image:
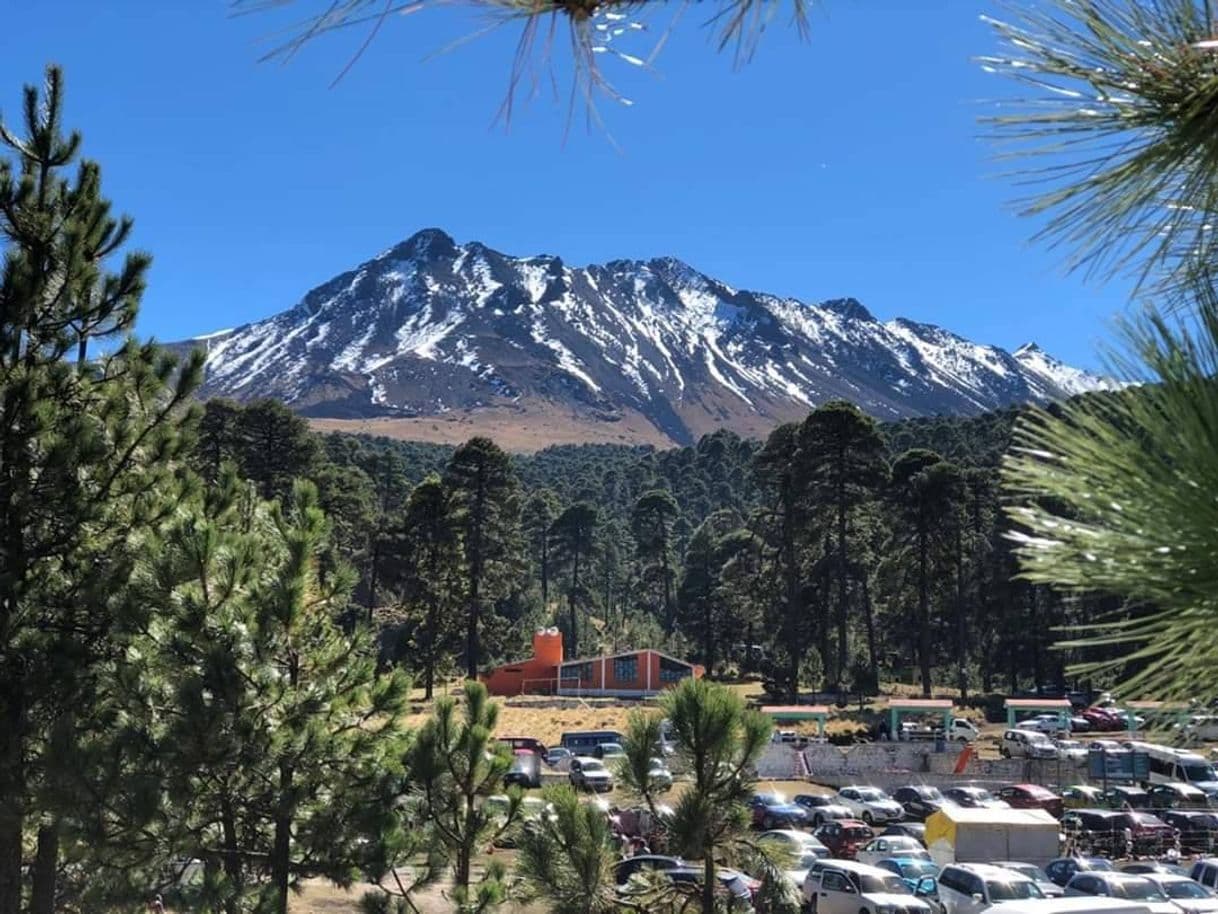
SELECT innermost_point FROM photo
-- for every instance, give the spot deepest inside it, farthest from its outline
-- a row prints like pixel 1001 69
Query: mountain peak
pixel 434 332
pixel 1028 349
pixel 425 244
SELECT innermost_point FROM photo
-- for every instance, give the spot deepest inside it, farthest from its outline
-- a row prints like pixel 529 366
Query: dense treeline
pixel 843 550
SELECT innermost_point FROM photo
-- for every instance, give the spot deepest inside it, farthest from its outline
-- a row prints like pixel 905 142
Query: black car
pixel 644 863
pixel 973 798
pixel 1063 869
pixel 920 800
pixel 1125 797
pixel 1197 829
pixel 1097 831
pixel 525 770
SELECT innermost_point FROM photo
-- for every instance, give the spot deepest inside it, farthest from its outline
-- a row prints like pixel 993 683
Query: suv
pixel 1125 887
pixel 1018 743
pixel 843 837
pixel 871 804
pixel 589 774
pixel 846 887
pixel 968 888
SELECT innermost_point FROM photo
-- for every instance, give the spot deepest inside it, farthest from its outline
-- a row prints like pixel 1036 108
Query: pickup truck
pixel 961 730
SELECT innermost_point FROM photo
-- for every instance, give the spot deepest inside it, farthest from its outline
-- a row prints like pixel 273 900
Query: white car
pixel 969 888
pixel 1044 723
pixel 871 804
pixel 886 846
pixel 589 774
pixel 659 775
pixel 1024 743
pixel 849 887
pixel 1070 750
pixel 801 849
pixel 963 730
pixel 1191 897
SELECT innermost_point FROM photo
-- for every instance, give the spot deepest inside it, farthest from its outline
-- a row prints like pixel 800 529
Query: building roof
pixel 1033 704
pixel 920 704
pixel 641 650
pixel 795 712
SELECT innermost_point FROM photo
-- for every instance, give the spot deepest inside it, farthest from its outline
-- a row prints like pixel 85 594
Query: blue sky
pixel 850 164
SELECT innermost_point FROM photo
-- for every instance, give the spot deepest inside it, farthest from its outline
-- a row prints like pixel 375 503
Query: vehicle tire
pixel 864 911
pixel 767 824
pixel 1004 751
pixel 818 820
pixel 868 818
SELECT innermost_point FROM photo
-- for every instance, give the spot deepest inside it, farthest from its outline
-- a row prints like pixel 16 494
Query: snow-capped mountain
pixel 431 327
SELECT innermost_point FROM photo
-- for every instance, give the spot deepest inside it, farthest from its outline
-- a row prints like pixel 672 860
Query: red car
pixel 1103 720
pixel 1032 796
pixel 843 837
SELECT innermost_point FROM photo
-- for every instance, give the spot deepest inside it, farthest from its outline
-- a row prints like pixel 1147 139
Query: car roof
pixel 586 758
pixel 848 823
pixel 902 858
pixel 853 866
pixel 990 871
pixel 793 833
pixel 1117 876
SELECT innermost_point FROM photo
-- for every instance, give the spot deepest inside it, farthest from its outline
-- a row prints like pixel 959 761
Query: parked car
pixel 871 804
pixel 974 798
pixel 1125 886
pixel 822 807
pixel 1031 796
pixel 920 800
pixel 589 774
pixel 559 758
pixel 773 810
pixel 969 888
pixel 915 830
pixel 1048 887
pixel 1102 719
pixel 912 870
pixel 843 836
pixel 1048 724
pixel 1148 867
pixel 643 863
pixel 733 884
pixel 1123 796
pixel 525 770
pixel 659 774
pixel 963 730
pixel 536 746
pixel 1081 796
pixel 1205 871
pixel 1070 750
pixel 1079 724
pixel 1197 829
pixel 1097 831
pixel 1189 896
pixel 801 850
pixel 847 887
pixel 1151 835
pixel 608 751
pixel 878 848
pixel 1019 743
pixel 1063 868
pixel 1177 795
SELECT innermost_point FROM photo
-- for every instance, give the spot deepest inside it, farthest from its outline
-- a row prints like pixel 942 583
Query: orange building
pixel 632 674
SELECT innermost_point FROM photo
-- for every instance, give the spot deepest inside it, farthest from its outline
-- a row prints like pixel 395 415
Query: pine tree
pixel 453 766
pixel 655 516
pixel 841 460
pixel 486 498
pixel 926 496
pixel 87 454
pixel 275 447
pixel 568 860
pixel 265 725
pixel 701 610
pixel 572 541
pixel 427 574
pixel 537 516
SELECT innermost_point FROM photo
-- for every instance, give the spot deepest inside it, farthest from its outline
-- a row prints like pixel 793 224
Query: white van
pixel 1206 872
pixel 1018 743
pixel 1075 906
pixel 848 887
pixel 969 888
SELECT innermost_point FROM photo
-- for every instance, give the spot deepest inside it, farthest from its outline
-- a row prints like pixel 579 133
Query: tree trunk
pixel 46 869
pixel 281 853
pixel 668 614
pixel 234 870
pixel 374 561
pixel 429 657
pixel 545 571
pixel 708 880
pixel 961 622
pixel 571 604
pixel 12 792
pixel 873 662
pixel 924 612
pixel 840 568
pixel 708 636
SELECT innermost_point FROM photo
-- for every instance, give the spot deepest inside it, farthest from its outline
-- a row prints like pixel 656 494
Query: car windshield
pixel 1186 888
pixel 916 869
pixel 1027 869
pixel 1198 771
pixel 929 793
pixel 806 860
pixel 1138 890
pixel 857 831
pixel 1015 890
pixel 1069 744
pixel 772 799
pixel 592 765
pixel 870 794
pixel 868 883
